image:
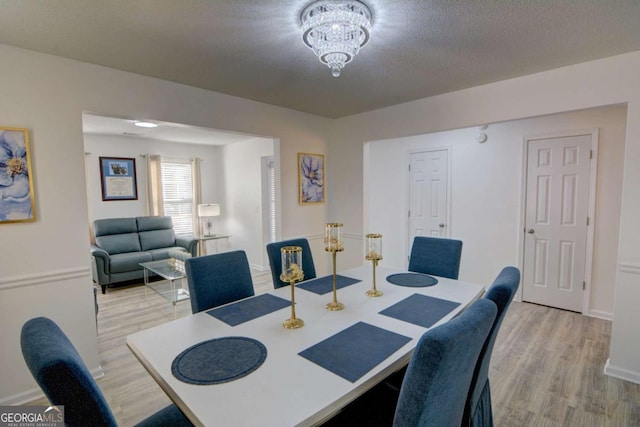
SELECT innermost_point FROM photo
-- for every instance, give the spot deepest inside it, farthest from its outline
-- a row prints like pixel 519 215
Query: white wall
pixel 597 83
pixel 45 265
pixel 243 196
pixel 486 194
pixel 137 148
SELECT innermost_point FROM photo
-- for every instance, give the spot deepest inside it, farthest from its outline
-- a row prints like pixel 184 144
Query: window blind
pixel 177 191
pixel 272 202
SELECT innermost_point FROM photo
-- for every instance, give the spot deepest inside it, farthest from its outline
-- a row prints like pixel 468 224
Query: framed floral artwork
pixel 17 201
pixel 311 178
pixel 118 178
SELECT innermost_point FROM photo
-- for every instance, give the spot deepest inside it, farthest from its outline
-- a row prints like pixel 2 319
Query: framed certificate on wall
pixel 118 178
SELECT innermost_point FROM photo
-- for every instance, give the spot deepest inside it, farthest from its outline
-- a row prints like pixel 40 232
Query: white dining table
pixel 287 389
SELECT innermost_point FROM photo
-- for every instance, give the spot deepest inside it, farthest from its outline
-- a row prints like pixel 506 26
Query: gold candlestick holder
pixel 374 254
pixel 333 240
pixel 334 305
pixel 292 273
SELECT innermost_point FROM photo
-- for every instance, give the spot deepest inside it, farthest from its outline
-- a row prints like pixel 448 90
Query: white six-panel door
pixel 428 194
pixel 556 215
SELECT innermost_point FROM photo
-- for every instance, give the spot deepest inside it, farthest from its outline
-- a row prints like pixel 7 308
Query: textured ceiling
pixel 253 48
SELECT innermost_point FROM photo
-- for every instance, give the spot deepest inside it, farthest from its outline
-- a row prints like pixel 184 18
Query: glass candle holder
pixel 374 246
pixel 374 254
pixel 292 272
pixel 333 237
pixel 291 264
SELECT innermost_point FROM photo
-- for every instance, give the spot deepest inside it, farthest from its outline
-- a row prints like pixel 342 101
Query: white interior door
pixel 428 194
pixel 557 207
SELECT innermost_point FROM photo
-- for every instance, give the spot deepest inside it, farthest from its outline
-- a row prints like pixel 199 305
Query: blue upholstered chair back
pixel 218 279
pixel 65 380
pixel 275 261
pixel 62 375
pixel 436 384
pixel 477 410
pixel 435 255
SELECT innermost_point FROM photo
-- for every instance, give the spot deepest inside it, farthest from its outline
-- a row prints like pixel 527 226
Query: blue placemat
pixel 356 350
pixel 415 280
pixel 219 360
pixel 249 309
pixel 420 310
pixel 324 285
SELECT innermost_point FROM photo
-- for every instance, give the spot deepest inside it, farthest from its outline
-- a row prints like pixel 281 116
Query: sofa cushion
pixel 103 227
pixel 163 253
pixel 148 223
pixel 121 263
pixel 157 239
pixel 119 243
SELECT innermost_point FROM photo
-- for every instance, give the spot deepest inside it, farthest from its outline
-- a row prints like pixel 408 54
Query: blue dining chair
pixel 275 260
pixel 435 255
pixel 436 382
pixel 65 380
pixel 477 411
pixel 218 279
pixel 438 377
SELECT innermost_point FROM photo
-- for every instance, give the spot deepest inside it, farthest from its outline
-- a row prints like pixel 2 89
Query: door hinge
pixel 584 286
pixel 591 154
pixel 587 221
pixel 409 214
pixel 409 168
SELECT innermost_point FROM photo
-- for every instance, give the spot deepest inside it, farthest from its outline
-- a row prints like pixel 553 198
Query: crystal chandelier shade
pixel 336 30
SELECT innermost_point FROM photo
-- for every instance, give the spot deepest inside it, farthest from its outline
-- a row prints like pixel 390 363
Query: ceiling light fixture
pixel 145 124
pixel 336 30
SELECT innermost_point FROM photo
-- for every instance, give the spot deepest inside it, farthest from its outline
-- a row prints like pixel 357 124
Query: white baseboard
pixel 604 315
pixel 23 398
pixel 36 393
pixel 621 373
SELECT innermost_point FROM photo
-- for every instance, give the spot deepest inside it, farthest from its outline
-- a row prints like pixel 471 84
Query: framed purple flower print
pixel 17 201
pixel 311 178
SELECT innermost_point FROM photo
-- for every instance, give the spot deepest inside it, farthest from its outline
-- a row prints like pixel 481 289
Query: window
pixel 269 199
pixel 272 200
pixel 177 192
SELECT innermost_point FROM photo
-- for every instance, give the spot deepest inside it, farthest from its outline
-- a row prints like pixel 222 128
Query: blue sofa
pixel 121 244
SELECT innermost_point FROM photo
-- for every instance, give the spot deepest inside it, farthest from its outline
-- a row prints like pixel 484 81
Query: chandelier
pixel 336 30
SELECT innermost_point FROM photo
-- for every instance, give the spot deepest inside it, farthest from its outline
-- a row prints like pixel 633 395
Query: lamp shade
pixel 209 209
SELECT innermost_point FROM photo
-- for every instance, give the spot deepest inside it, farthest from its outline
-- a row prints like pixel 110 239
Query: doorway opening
pixel 229 175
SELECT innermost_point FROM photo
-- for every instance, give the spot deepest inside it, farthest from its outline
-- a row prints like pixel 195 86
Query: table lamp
pixel 208 210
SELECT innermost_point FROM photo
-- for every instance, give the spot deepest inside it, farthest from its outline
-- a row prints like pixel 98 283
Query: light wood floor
pixel 546 370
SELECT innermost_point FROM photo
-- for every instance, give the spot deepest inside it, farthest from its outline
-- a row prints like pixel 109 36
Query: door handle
pixel 441 225
pixel 531 231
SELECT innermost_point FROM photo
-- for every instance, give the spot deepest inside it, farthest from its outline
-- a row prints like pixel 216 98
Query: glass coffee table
pixel 172 287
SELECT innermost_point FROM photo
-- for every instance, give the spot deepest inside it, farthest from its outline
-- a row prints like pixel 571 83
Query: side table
pixel 202 242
